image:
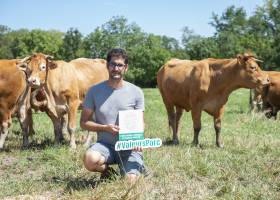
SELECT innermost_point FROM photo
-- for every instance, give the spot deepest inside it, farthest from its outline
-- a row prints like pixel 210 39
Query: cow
pixel 14 100
pixel 205 85
pixel 255 99
pixel 82 72
pixel 270 95
pixel 89 72
pixel 57 84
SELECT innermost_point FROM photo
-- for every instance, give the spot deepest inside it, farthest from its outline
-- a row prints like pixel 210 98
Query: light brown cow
pixel 89 72
pixel 57 81
pixel 205 85
pixel 14 99
pixel 255 99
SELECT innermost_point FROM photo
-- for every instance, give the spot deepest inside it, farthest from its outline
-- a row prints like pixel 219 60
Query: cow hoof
pixel 24 147
pixel 195 144
pixel 220 145
pixel 73 146
pixel 175 142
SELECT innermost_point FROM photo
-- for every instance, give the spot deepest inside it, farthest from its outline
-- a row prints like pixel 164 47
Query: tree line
pixel 235 32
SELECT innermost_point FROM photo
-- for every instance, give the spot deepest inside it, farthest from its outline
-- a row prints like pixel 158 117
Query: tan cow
pixel 14 99
pixel 89 72
pixel 205 85
pixel 57 82
pixel 255 99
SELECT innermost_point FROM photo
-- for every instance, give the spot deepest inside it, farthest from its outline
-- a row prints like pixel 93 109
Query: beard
pixel 116 76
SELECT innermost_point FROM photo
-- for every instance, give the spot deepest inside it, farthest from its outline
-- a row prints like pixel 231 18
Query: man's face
pixel 117 68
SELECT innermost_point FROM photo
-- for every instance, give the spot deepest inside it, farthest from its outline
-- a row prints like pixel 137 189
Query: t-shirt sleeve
pixel 89 100
pixel 140 100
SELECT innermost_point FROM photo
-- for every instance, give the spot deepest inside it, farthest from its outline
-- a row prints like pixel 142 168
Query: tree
pixel 5 42
pixel 198 47
pixel 72 45
pixel 27 42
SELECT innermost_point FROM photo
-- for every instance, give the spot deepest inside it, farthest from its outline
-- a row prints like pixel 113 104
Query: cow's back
pixel 12 85
pixel 89 72
pixel 174 79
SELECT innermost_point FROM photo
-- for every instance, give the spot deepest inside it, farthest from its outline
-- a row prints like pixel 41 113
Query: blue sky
pixel 162 17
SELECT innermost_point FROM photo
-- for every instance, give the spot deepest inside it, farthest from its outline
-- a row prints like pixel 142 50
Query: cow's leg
pixel 31 131
pixel 64 121
pixel 56 126
pixel 172 123
pixel 57 130
pixel 73 109
pixel 196 117
pixel 274 112
pixel 88 139
pixel 179 112
pixel 4 129
pixel 26 123
pixel 218 125
pixel 171 119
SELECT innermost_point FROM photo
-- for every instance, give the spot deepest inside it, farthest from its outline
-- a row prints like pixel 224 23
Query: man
pixel 103 103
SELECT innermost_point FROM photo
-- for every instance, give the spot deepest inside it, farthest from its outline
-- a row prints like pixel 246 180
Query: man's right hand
pixel 114 129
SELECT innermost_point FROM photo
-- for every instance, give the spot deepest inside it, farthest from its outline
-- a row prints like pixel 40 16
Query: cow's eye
pixel 43 67
pixel 253 68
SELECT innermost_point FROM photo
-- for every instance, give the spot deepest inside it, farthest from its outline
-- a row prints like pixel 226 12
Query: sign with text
pixel 131 125
pixel 131 133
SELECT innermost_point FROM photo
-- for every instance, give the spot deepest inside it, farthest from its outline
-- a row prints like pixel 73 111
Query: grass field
pixel 247 168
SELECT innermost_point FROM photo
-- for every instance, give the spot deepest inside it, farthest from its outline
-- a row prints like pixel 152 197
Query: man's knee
pixel 92 160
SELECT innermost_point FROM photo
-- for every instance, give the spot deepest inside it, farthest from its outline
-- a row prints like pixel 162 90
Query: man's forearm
pixel 92 126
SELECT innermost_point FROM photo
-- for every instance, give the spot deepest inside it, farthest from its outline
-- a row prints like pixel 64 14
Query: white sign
pixel 131 125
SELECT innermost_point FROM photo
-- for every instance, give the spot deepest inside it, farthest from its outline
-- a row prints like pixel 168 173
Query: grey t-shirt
pixel 106 102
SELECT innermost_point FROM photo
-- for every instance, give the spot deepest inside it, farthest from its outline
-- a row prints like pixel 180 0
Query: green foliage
pixel 5 41
pixel 27 42
pixel 235 33
pixel 72 45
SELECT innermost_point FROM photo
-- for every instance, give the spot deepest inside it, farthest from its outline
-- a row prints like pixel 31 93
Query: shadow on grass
pixel 80 183
pixel 169 142
pixel 36 145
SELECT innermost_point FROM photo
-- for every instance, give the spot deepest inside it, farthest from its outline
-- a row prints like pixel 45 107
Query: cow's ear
pixel 242 58
pixel 52 64
pixel 22 64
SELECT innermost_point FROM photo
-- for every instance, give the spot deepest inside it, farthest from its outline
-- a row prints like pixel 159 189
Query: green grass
pixel 247 168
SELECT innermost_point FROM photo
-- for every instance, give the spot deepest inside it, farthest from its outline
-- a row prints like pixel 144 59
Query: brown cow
pixel 14 99
pixel 57 82
pixel 205 85
pixel 270 95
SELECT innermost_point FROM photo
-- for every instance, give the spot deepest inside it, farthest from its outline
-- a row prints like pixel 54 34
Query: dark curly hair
pixel 117 52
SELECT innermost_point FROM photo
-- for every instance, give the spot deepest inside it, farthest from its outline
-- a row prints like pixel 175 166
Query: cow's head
pixel 36 67
pixel 251 74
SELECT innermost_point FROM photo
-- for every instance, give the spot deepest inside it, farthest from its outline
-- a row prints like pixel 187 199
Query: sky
pixel 161 17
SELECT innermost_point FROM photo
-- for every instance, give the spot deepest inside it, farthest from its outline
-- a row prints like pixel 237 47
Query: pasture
pixel 247 168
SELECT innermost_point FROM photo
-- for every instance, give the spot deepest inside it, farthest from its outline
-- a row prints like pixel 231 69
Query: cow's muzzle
pixel 33 82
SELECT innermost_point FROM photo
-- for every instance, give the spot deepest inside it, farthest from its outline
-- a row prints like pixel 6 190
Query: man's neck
pixel 115 83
